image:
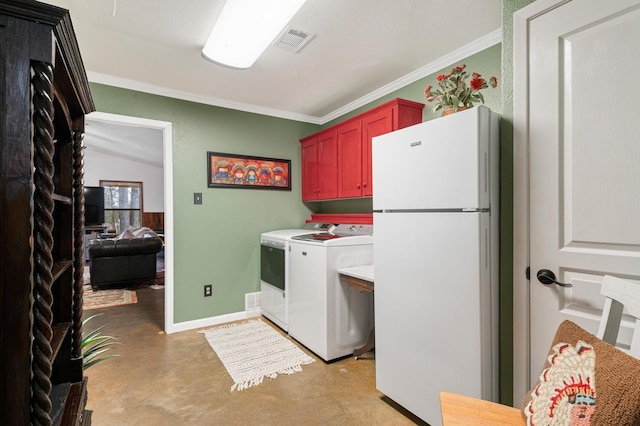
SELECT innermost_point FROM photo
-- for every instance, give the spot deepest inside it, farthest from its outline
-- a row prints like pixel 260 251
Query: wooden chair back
pixel 620 295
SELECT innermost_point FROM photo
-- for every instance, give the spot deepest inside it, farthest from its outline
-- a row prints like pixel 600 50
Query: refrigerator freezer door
pixel 435 309
pixel 438 164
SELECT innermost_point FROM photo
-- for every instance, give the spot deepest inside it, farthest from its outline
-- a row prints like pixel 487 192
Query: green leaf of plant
pixel 90 318
pixel 89 363
pixel 101 340
pixel 92 334
pixel 94 344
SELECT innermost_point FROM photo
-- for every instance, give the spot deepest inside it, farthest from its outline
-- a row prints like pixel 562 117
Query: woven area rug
pixel 107 298
pixel 104 298
pixel 252 350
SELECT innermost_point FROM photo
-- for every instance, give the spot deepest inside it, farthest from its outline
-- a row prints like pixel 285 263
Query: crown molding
pixel 139 86
pixel 472 48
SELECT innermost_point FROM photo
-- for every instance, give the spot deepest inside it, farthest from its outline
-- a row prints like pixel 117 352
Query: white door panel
pixel 601 144
pixel 583 162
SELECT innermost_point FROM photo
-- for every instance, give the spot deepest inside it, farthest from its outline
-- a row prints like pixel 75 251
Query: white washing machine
pixel 329 317
pixel 274 270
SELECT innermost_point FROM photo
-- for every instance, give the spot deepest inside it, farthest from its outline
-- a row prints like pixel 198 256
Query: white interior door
pixel 584 162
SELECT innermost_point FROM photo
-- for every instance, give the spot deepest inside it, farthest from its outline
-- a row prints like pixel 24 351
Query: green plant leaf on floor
pixel 94 344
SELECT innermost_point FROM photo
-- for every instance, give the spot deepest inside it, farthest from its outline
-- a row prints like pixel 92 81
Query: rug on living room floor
pixel 253 350
pixel 104 298
pixel 107 298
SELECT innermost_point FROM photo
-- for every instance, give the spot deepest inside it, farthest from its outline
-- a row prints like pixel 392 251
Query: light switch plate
pixel 197 198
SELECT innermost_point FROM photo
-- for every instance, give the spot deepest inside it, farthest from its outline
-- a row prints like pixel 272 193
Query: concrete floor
pixel 177 379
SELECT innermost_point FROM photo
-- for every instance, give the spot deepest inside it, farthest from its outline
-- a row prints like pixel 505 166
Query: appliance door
pixel 273 297
pixel 272 264
pixel 308 296
pixel 439 164
pixel 434 308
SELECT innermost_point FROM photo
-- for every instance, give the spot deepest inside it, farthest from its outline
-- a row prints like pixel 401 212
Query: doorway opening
pixel 163 154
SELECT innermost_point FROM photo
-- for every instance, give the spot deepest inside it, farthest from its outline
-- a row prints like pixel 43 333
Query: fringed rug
pixel 107 298
pixel 104 298
pixel 252 350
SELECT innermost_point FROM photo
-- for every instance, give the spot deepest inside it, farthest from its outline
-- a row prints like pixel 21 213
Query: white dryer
pixel 328 316
pixel 274 270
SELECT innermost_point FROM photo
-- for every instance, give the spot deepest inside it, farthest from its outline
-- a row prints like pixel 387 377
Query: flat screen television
pixel 93 205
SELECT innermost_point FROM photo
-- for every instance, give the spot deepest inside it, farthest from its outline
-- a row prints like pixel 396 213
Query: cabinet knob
pixel 358 186
pixel 365 184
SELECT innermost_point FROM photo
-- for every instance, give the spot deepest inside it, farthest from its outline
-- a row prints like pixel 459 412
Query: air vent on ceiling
pixel 292 40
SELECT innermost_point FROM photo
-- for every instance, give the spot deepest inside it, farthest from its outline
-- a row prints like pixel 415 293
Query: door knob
pixel 547 277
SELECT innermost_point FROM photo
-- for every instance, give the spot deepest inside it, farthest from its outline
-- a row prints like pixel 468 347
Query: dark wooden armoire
pixel 45 96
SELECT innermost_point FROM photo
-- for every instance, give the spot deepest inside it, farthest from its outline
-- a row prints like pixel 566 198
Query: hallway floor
pixel 177 379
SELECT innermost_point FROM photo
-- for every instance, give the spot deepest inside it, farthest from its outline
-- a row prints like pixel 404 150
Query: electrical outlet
pixel 207 290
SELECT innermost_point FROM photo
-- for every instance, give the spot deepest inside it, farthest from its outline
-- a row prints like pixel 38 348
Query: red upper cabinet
pixel 308 169
pixel 350 157
pixel 343 170
pixel 318 169
pixel 375 124
pixel 327 173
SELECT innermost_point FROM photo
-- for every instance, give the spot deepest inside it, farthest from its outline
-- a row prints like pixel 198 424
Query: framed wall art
pixel 245 171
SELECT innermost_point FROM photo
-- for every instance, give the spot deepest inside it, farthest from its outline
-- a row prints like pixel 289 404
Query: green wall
pixel 217 242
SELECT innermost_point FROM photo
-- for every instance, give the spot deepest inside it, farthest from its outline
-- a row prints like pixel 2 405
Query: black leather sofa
pixel 120 263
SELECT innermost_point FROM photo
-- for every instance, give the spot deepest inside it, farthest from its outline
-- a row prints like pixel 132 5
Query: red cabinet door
pixel 327 170
pixel 373 125
pixel 309 169
pixel 350 159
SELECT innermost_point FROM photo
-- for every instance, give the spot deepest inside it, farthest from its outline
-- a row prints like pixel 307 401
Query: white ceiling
pixel 125 141
pixel 360 46
pixel 361 50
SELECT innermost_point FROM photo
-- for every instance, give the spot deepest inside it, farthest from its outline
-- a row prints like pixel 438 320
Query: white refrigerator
pixel 435 203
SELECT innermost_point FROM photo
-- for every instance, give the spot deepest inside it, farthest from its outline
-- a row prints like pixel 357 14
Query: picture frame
pixel 226 170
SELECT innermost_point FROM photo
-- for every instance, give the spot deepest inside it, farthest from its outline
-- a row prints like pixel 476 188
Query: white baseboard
pixel 251 310
pixel 211 321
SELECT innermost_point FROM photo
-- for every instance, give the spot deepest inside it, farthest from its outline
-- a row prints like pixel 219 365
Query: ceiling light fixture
pixel 245 28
